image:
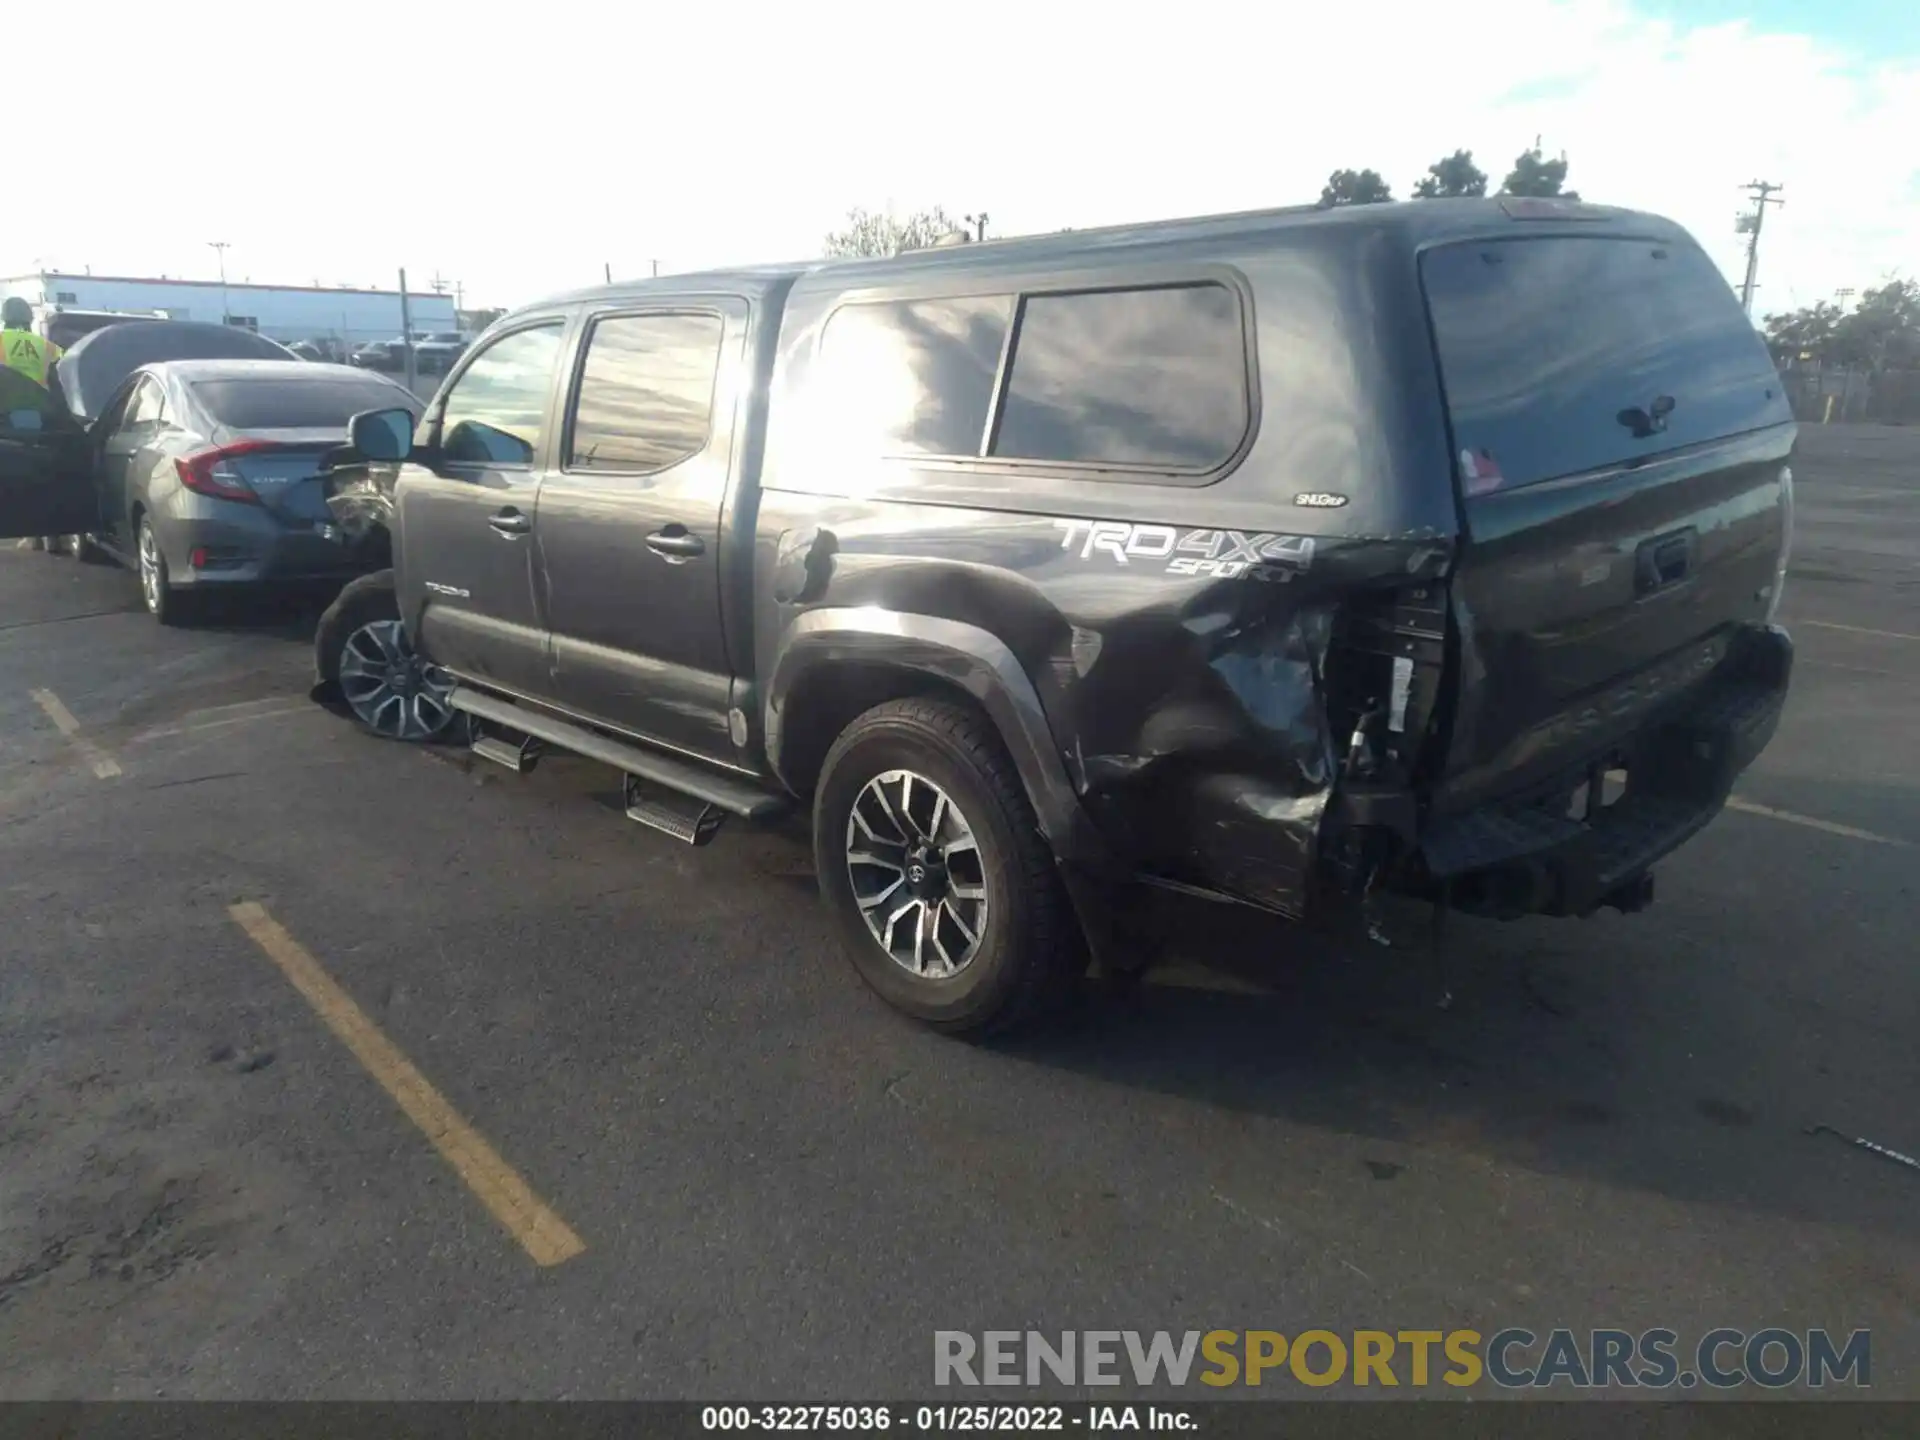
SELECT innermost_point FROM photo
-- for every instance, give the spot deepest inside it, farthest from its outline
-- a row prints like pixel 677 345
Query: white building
pixel 280 312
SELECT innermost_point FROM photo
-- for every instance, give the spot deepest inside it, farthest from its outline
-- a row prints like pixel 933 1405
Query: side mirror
pixel 383 434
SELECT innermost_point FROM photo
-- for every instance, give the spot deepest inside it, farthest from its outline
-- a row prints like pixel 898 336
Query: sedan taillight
pixel 210 472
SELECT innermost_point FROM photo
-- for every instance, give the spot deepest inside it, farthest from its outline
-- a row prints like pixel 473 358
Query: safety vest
pixel 26 352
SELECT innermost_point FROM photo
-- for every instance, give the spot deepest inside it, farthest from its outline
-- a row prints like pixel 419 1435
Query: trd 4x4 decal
pixel 1218 554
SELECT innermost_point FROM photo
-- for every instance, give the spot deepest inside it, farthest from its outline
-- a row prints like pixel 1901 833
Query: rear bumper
pixel 1526 855
pixel 242 545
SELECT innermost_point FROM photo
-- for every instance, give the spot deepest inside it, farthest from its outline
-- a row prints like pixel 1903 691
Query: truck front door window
pixel 496 411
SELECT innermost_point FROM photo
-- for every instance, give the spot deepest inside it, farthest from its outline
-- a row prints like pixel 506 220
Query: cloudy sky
pixel 518 148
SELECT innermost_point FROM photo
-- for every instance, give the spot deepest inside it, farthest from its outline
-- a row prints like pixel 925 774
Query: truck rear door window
pixel 1554 352
pixel 1143 378
pixel 645 400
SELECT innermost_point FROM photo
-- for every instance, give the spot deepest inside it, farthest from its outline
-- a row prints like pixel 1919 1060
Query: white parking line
pixel 1851 832
pixel 1858 629
pixel 104 765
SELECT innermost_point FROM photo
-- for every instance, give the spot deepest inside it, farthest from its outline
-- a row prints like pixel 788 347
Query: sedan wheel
pixel 163 602
pixel 390 689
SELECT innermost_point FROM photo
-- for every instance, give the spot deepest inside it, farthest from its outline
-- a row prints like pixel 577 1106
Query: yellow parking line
pixel 1859 630
pixel 541 1233
pixel 168 731
pixel 1851 832
pixel 104 765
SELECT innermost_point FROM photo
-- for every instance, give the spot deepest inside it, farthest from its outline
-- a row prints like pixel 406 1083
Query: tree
pixel 1883 330
pixel 874 235
pixel 1532 175
pixel 1803 334
pixel 1454 176
pixel 1354 187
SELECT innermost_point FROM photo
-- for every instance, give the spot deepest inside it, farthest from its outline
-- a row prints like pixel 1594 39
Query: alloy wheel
pixel 152 569
pixel 389 688
pixel 916 873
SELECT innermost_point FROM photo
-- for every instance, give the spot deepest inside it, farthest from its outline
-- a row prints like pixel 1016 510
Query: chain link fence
pixel 1844 394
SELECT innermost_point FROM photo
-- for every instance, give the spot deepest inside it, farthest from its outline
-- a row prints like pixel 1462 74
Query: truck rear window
pixel 296 402
pixel 1554 352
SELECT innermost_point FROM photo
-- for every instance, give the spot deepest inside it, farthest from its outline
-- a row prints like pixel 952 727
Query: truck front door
pixel 464 556
pixel 629 524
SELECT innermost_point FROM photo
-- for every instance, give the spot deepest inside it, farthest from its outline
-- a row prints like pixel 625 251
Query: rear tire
pixel 988 964
pixel 166 604
pixel 362 649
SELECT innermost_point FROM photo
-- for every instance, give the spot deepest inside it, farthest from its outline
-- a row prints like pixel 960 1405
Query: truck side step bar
pixel 733 795
pixel 680 816
pixel 518 756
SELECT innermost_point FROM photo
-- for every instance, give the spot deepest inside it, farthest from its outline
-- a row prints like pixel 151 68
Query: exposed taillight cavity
pixel 212 472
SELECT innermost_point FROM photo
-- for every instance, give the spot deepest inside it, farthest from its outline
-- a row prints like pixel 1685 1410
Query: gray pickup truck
pixel 1279 558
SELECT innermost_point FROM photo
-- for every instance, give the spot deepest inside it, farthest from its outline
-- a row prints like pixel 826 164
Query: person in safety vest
pixel 26 353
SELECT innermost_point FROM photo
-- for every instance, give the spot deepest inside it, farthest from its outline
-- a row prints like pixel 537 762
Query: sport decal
pixel 1217 554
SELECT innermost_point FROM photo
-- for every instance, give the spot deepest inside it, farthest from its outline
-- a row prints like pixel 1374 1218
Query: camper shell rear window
pixel 1566 354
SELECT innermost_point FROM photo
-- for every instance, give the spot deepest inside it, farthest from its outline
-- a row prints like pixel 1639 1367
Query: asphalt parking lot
pixel 654 1139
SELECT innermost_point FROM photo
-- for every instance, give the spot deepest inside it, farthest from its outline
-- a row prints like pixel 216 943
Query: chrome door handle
pixel 510 522
pixel 676 544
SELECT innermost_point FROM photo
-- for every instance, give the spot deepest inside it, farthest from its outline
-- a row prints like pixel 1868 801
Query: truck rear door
pixel 1620 441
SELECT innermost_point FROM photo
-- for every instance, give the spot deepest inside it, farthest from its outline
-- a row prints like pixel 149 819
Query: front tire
pixel 930 859
pixel 363 649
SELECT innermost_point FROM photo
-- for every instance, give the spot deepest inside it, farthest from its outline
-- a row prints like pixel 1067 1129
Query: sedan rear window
pixel 290 404
pixel 1571 354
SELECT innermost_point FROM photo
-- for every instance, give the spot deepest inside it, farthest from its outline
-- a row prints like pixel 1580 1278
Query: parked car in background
pixel 305 350
pixel 385 355
pixel 437 354
pixel 193 454
pixel 1284 558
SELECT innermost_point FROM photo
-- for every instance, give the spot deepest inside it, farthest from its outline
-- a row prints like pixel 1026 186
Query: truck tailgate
pixel 1621 445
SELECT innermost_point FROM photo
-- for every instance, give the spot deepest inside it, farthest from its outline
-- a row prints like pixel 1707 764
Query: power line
pixel 1764 193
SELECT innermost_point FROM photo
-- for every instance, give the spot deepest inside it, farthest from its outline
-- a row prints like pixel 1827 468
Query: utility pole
pixel 1764 193
pixel 606 268
pixel 219 247
pixel 979 224
pixel 656 269
pixel 1843 295
pixel 406 333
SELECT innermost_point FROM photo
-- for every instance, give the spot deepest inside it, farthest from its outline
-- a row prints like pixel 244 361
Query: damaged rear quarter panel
pixel 1175 635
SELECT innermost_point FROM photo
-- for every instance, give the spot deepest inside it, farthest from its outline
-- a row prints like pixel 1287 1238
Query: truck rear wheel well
pixel 830 699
